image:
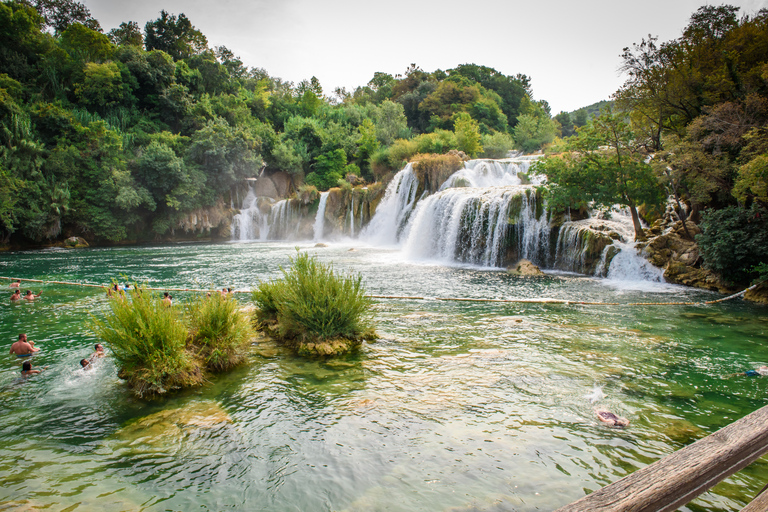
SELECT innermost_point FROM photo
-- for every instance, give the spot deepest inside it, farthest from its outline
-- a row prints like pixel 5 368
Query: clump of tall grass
pixel 159 348
pixel 148 341
pixel 219 332
pixel 314 309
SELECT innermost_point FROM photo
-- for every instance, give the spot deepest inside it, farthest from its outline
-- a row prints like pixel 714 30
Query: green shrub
pixel 220 333
pixel 314 309
pixel 734 241
pixel 148 341
pixel 497 145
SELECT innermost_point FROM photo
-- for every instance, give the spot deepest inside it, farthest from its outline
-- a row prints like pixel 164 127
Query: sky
pixel 570 49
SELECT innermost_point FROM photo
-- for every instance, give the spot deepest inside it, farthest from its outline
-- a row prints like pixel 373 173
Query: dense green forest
pixel 115 136
pixel 691 124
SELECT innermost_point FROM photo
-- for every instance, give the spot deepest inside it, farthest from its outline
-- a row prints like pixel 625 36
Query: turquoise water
pixel 459 406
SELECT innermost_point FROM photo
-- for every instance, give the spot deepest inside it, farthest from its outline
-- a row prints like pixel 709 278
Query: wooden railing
pixel 681 476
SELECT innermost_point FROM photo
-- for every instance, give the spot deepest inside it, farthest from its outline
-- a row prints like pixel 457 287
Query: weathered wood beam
pixel 679 477
pixel 759 504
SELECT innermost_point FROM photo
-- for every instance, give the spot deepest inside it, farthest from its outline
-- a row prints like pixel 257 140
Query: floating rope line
pixel 412 297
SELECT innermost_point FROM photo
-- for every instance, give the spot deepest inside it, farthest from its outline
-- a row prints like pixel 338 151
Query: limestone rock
pixel 321 244
pixel 74 242
pixel 758 294
pixel 525 268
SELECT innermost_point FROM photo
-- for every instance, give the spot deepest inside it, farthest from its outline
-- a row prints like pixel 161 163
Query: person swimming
pixel 16 284
pixel 26 369
pixel 611 419
pixel 762 371
pixel 16 296
pixel 99 352
pixel 86 364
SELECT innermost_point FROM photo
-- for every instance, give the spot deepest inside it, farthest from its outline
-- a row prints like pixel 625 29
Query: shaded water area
pixel 459 406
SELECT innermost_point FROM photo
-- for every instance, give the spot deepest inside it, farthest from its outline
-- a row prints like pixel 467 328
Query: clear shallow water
pixel 459 406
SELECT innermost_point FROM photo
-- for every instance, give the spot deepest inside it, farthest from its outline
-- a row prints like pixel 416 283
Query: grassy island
pixel 159 348
pixel 314 310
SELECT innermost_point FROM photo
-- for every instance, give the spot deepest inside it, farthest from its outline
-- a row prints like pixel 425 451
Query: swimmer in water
pixel 757 372
pixel 22 347
pixel 16 296
pixel 611 419
pixel 99 352
pixel 16 284
pixel 26 369
pixel 86 364
pixel 31 296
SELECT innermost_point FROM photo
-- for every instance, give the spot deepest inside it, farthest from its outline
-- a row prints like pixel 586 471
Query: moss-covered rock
pixel 432 170
pixel 758 294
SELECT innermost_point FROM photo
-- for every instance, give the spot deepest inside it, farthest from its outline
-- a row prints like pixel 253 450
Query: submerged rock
pixel 172 424
pixel 525 268
pixel 320 244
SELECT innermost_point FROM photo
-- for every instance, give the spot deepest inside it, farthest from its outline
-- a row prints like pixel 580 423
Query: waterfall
pixel 320 217
pixel 472 225
pixel 393 210
pixel 628 265
pixel 352 218
pixel 487 173
pixel 250 223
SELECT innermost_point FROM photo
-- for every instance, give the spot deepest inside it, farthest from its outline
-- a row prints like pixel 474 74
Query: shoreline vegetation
pixel 315 310
pixel 159 348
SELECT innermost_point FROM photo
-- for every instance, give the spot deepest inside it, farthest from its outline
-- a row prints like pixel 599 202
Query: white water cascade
pixel 250 223
pixel 394 210
pixel 320 218
pixel 628 265
pixel 352 218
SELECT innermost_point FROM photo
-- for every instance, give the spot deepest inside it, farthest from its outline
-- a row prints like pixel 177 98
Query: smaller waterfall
pixel 394 210
pixel 352 217
pixel 320 218
pixel 628 265
pixel 283 221
pixel 250 223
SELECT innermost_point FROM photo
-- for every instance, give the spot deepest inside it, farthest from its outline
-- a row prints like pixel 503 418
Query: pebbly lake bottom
pixel 459 406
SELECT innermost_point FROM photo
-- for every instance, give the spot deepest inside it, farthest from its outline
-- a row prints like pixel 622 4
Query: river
pixel 459 406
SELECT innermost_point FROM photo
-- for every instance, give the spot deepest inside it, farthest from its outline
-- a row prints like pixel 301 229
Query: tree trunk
pixel 639 233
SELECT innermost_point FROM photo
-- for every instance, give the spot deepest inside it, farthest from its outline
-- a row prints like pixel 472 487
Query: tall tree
pixel 175 36
pixel 606 167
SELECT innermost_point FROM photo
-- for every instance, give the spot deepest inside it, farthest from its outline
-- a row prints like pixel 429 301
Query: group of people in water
pixel 16 295
pixel 23 347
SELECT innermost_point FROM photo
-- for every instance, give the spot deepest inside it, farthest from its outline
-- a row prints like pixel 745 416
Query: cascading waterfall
pixel 487 214
pixel 628 265
pixel 320 218
pixel 394 210
pixel 283 221
pixel 490 173
pixel 250 223
pixel 475 226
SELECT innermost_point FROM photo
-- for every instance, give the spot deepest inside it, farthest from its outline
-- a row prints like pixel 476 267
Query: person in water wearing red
pixel 611 419
pixel 22 347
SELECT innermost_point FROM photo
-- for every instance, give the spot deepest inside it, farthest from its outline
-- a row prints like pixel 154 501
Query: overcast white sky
pixel 570 49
